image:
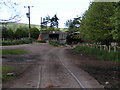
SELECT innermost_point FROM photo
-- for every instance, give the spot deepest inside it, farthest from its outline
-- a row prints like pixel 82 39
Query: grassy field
pixel 13 51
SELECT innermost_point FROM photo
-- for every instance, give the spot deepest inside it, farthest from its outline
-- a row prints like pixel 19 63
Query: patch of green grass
pixel 16 42
pixel 56 44
pixel 39 41
pixel 100 54
pixel 5 70
pixel 13 51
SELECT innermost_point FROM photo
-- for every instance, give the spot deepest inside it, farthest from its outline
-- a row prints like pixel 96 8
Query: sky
pixel 65 9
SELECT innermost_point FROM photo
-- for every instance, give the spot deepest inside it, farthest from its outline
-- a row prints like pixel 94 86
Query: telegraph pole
pixel 28 16
pixel 41 24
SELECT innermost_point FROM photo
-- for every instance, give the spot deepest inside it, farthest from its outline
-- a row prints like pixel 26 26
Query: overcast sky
pixel 65 9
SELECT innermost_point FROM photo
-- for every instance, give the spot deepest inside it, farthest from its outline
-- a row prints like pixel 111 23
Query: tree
pixel 34 33
pixel 68 23
pixel 95 25
pixel 9 8
pixel 45 22
pixel 54 21
pixel 116 22
pixel 7 34
pixel 73 24
pixel 21 33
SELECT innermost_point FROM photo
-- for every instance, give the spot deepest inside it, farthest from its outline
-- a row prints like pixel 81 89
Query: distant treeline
pixel 19 33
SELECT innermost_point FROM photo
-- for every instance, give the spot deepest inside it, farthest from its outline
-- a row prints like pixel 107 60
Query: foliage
pixel 16 42
pixel 34 32
pixel 52 21
pixel 21 32
pixel 95 24
pixel 7 34
pixel 73 24
pixel 115 19
pixel 39 41
pixel 74 38
pixel 100 54
pixel 55 44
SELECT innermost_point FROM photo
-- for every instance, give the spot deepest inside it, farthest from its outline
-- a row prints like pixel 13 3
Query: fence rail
pixel 103 47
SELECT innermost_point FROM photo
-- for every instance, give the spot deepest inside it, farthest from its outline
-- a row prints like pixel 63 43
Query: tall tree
pixel 54 21
pixel 116 22
pixel 45 22
pixel 73 24
pixel 95 24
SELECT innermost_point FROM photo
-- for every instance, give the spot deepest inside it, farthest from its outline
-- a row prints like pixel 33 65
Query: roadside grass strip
pixel 100 54
pixel 56 44
pixel 13 51
pixel 5 71
pixel 39 41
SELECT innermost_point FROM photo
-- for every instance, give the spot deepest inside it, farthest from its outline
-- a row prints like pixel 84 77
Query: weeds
pixel 55 44
pixel 100 54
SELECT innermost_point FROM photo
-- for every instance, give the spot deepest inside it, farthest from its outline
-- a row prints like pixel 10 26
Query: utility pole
pixel 28 16
pixel 41 24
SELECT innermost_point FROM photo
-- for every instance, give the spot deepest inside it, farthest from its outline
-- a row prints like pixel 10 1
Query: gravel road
pixel 51 68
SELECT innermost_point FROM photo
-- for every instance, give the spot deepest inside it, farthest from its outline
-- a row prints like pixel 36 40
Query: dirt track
pixel 47 68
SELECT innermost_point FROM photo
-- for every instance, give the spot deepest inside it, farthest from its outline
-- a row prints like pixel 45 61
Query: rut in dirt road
pixel 53 69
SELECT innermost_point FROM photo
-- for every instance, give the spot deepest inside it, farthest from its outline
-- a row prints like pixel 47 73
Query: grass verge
pixel 55 44
pixel 13 51
pixel 5 70
pixel 100 54
pixel 39 41
pixel 15 42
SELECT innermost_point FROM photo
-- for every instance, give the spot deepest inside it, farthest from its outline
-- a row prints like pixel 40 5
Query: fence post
pixel 109 48
pixel 100 47
pixel 115 48
pixel 104 47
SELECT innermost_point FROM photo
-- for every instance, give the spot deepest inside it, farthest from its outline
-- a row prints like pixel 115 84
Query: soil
pixel 106 72
pixel 42 62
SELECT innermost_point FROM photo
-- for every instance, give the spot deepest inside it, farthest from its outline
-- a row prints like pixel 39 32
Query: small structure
pixel 56 36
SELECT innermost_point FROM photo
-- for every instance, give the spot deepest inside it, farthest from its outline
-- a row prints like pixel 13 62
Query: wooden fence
pixel 110 48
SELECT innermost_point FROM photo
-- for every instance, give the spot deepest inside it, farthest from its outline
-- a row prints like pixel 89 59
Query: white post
pixel 100 47
pixel 115 48
pixel 104 47
pixel 109 48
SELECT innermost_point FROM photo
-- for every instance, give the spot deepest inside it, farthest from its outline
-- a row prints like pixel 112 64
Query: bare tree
pixel 9 11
